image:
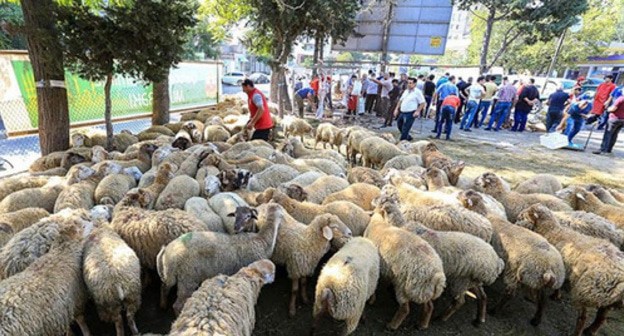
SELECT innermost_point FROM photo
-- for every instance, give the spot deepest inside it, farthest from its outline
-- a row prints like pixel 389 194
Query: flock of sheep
pixel 193 205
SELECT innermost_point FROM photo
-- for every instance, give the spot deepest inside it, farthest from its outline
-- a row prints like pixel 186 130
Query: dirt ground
pixel 515 157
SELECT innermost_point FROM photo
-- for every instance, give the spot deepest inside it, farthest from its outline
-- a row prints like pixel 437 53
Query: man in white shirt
pixel 411 103
pixel 475 93
pixel 386 85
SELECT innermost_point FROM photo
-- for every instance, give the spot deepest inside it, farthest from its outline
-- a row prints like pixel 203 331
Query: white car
pixel 233 78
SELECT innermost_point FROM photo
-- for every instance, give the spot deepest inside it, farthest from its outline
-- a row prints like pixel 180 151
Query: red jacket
pixel 265 121
pixel 602 95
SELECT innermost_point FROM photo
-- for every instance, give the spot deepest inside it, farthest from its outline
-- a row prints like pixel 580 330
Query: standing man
pixel 403 82
pixel 442 80
pixel 475 92
pixel 301 95
pixel 486 100
pixel 527 99
pixel 603 92
pixel 386 85
pixel 506 98
pixel 429 92
pixel 394 95
pixel 410 105
pixel 441 93
pixel 420 85
pixel 615 124
pixel 462 87
pixel 260 117
pixel 449 106
pixel 371 94
pixel 354 90
pixel 315 85
pixel 556 104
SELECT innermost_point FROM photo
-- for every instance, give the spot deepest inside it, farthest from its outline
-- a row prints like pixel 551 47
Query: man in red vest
pixel 260 117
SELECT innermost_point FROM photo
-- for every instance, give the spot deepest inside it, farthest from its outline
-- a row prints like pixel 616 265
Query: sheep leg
pixel 84 328
pixel 119 328
pixel 304 290
pixel 509 294
pixel 164 293
pixel 425 315
pixel 580 321
pixel 399 316
pixel 481 306
pixel 556 295
pixel 132 323
pixel 601 317
pixel 541 302
pixel 184 292
pixel 294 290
pixel 350 325
pixel 458 302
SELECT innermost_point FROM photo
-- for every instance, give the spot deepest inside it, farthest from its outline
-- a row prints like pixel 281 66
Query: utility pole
pixel 385 37
pixel 553 62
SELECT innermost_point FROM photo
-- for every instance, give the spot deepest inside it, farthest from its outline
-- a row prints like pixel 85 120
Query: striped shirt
pixel 507 93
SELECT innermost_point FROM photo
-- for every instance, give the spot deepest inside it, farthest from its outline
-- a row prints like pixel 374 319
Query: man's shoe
pixel 487 129
pixel 467 130
pixel 598 152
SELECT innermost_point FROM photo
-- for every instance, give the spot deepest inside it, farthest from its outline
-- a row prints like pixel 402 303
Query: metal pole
pixel 554 59
pixel 385 40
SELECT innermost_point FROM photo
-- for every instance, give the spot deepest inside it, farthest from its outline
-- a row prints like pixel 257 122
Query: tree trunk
pixel 489 25
pixel 285 103
pixel 274 80
pixel 46 58
pixel 160 102
pixel 108 119
pixel 315 58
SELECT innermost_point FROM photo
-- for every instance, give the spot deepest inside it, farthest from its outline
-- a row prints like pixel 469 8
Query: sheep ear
pixel 579 195
pixel 231 214
pixel 327 233
pixel 254 213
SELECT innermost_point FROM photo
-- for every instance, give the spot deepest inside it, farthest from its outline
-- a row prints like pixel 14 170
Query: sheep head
pixel 471 200
pixel 233 179
pixel 78 140
pixel 101 214
pixel 182 140
pixel 71 159
pixel 244 219
pixel 333 227
pixel 148 149
pixel 436 178
pixel 296 192
pixel 430 147
pixel 165 173
pixel 454 171
pixel 266 196
pixel 489 183
pixel 538 218
pixel 108 168
pixel 134 172
pixel 5 228
pixel 263 269
pixel 137 197
pixel 98 154
pixel 576 197
pixel 212 185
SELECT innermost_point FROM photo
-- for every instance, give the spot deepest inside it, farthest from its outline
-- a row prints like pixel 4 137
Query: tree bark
pixel 46 58
pixel 160 102
pixel 108 119
pixel 489 25
pixel 285 104
pixel 274 80
pixel 315 58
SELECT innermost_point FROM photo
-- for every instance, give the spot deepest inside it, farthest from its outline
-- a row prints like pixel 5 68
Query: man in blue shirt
pixel 301 95
pixel 577 113
pixel 442 80
pixel 442 92
pixel 556 104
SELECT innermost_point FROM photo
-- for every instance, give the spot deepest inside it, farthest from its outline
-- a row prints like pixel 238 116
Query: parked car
pixel 233 78
pixel 260 78
pixel 591 84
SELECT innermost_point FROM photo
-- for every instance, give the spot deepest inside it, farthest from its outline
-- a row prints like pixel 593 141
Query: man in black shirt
pixel 529 96
pixel 394 95
pixel 462 87
pixel 429 91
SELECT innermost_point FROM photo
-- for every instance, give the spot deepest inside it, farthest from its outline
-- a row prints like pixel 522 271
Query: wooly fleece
pixel 225 305
pixel 346 281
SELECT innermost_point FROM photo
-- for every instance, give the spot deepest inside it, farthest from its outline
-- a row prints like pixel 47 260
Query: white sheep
pixel 581 199
pixel 376 152
pixel 530 261
pixel 13 222
pixel 469 262
pixel 300 247
pixel 225 205
pixel 323 187
pixel 411 264
pixel 592 225
pixel 112 274
pixel 296 127
pixel 10 185
pixel 44 197
pixel 326 133
pixel 197 256
pixel 35 241
pixel 360 194
pixel 113 187
pixel 47 296
pixel 347 280
pixel 224 305
pixel 539 184
pixel 595 267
